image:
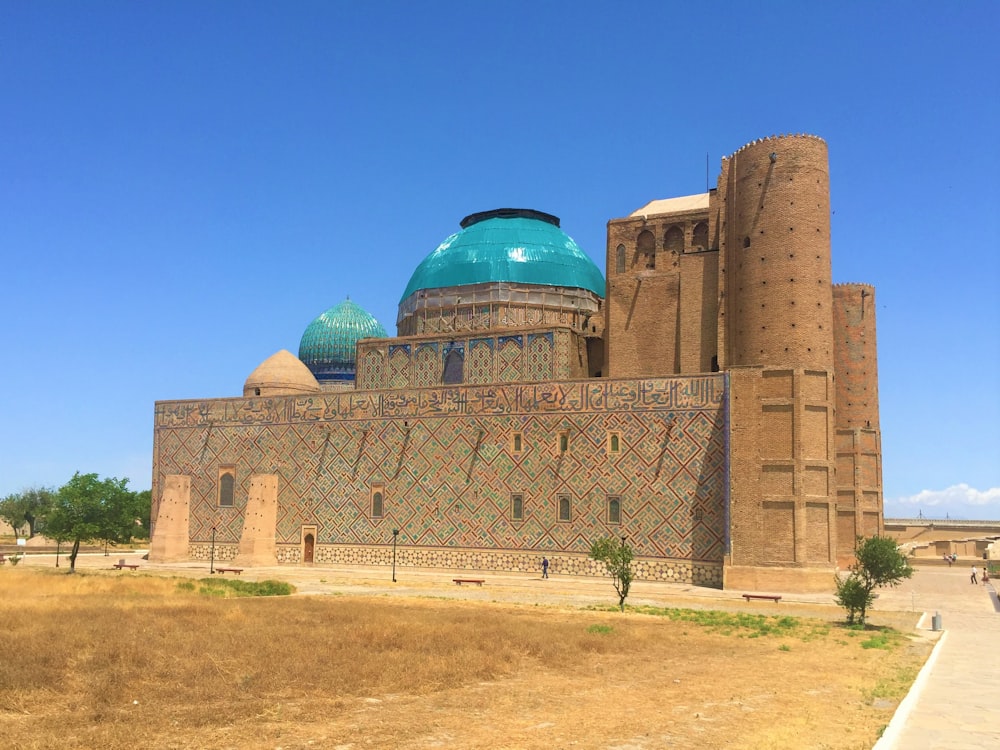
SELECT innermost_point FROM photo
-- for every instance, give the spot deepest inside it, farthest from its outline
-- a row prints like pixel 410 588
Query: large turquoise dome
pixel 508 244
pixel 328 344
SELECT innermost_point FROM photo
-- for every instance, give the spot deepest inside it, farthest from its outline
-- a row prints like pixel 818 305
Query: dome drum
pixel 495 305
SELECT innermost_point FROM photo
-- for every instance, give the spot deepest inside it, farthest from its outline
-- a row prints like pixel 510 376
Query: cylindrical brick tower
pixel 859 438
pixel 778 260
pixel 777 336
pixel 855 355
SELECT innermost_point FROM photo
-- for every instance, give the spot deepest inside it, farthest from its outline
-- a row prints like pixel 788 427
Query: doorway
pixel 308 544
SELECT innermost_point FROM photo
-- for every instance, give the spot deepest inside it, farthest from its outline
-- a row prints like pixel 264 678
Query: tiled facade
pixel 722 398
pixel 446 461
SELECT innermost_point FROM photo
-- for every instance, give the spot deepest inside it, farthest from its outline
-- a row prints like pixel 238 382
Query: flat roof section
pixel 673 205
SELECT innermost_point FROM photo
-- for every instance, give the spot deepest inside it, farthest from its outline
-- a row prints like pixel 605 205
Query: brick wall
pixel 446 465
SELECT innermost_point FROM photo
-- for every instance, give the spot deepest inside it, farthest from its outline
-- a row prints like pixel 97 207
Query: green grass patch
pixel 729 623
pixel 600 629
pixel 884 639
pixel 229 588
pixel 893 687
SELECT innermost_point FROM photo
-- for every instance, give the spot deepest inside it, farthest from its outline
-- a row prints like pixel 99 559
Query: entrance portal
pixel 307 553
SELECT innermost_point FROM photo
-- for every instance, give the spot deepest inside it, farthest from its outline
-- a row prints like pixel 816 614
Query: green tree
pixel 143 511
pixel 617 558
pixel 27 507
pixel 878 562
pixel 87 509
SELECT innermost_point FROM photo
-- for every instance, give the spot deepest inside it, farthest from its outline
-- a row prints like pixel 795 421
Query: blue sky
pixel 184 186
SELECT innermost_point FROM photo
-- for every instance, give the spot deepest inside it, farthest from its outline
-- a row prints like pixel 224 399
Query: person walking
pixel 986 575
pixel 973 577
pixel 545 567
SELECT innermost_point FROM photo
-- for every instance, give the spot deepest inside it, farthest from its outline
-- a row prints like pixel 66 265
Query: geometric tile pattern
pixel 427 366
pixel 399 366
pixel 509 359
pixel 538 365
pixel 374 367
pixel 480 367
pixel 445 459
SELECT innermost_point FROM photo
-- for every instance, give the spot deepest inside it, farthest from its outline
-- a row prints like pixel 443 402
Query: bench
pixel 237 571
pixel 772 597
pixel 477 581
pixel 122 564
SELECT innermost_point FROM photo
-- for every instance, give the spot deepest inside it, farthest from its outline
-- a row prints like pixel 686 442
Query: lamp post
pixel 57 553
pixel 395 533
pixel 211 563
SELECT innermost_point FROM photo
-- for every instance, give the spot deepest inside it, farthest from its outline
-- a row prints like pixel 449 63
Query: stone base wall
pixel 223 552
pixel 648 569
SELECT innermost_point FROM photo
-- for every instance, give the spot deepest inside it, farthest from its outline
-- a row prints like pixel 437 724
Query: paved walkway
pixel 954 704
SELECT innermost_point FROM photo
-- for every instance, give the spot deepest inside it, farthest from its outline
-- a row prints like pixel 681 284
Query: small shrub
pixel 784 647
pixel 600 629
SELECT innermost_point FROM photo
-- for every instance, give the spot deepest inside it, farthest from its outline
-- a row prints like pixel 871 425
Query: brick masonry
pixel 739 384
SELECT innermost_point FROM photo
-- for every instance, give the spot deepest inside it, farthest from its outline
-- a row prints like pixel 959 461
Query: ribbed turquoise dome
pixel 508 244
pixel 328 344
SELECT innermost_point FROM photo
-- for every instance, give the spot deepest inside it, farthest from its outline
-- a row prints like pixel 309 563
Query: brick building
pixel 714 402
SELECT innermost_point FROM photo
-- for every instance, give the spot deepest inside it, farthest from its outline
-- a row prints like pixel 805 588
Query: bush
pixel 852 596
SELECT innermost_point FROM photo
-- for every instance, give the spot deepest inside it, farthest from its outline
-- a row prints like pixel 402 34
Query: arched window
pixel 227 487
pixel 699 238
pixel 646 249
pixel 377 504
pixel 564 508
pixel 614 509
pixel 454 366
pixel 517 507
pixel 620 259
pixel 673 240
pixel 746 242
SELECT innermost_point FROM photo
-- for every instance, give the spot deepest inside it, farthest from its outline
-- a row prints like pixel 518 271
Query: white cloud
pixel 960 501
pixel 957 494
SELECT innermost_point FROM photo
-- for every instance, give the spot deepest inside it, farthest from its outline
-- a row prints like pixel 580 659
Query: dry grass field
pixel 100 661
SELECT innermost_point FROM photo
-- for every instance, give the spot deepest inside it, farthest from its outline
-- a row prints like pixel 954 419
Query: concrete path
pixel 953 705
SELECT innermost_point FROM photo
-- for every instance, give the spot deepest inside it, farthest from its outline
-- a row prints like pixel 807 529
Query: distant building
pixel 713 401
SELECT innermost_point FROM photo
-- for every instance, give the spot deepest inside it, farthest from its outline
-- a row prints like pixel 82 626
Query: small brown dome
pixel 281 374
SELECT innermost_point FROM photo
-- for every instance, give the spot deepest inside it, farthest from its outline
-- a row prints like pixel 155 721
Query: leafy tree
pixel 617 558
pixel 878 562
pixel 87 509
pixel 27 507
pixel 143 511
pixel 852 596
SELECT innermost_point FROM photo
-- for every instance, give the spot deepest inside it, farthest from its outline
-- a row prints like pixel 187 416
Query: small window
pixel 517 507
pixel 614 509
pixel 646 249
pixel 614 442
pixel 673 240
pixel 564 508
pixel 454 366
pixel 227 486
pixel 517 442
pixel 564 441
pixel 378 500
pixel 620 259
pixel 699 238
